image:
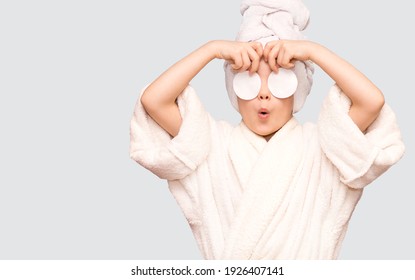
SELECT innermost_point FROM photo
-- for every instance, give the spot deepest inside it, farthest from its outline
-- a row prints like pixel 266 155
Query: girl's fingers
pixel 247 57
pixel 268 48
pixel 272 57
pixel 237 62
pixel 255 54
pixel 257 46
pixel 286 59
pixel 280 58
pixel 254 57
pixel 288 63
pixel 246 62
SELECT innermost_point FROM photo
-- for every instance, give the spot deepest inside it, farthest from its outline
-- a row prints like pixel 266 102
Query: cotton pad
pixel 246 85
pixel 284 84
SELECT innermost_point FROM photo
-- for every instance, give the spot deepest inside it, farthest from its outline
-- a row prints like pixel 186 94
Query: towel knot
pixel 282 18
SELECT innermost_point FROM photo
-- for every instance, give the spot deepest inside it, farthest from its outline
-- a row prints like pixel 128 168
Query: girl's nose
pixel 264 94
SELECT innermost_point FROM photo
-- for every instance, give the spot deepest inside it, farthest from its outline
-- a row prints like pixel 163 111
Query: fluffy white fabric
pixel 267 20
pixel 282 18
pixel 289 198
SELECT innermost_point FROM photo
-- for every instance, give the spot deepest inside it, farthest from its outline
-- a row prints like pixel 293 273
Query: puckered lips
pixel 263 113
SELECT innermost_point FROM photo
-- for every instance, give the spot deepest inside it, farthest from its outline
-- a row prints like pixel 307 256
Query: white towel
pixel 282 18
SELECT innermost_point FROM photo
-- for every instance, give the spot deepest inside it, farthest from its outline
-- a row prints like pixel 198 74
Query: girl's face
pixel 265 114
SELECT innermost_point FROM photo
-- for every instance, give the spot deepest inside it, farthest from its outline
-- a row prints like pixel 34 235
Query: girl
pixel 269 188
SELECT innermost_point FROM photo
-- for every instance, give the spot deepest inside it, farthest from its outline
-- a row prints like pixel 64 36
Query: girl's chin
pixel 266 134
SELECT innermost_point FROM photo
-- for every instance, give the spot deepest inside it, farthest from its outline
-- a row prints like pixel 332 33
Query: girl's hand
pixel 242 56
pixel 283 53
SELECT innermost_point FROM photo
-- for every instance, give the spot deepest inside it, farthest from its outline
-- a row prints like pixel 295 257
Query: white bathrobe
pixel 246 198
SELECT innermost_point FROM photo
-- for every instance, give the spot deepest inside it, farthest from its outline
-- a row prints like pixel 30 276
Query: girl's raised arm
pixel 159 98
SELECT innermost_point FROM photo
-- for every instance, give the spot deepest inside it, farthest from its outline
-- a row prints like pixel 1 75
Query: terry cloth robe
pixel 289 198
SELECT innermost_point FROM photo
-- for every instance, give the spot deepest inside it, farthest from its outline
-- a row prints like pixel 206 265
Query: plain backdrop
pixel 70 74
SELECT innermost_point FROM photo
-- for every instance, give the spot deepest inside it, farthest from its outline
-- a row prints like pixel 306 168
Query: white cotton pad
pixel 246 85
pixel 284 84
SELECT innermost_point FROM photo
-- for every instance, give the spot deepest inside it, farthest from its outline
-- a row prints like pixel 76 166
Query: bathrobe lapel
pixel 265 171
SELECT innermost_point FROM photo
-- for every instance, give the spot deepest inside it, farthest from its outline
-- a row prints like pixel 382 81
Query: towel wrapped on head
pixel 269 20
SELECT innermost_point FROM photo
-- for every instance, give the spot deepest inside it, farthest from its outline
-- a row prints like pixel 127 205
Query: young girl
pixel 269 188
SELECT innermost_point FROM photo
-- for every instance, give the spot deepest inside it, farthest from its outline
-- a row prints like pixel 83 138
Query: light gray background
pixel 70 74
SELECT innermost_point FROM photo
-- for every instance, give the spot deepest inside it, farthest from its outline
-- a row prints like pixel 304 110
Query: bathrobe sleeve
pixel 171 158
pixel 359 157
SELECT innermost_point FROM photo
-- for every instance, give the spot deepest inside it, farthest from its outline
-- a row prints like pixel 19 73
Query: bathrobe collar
pixel 259 142
pixel 246 147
